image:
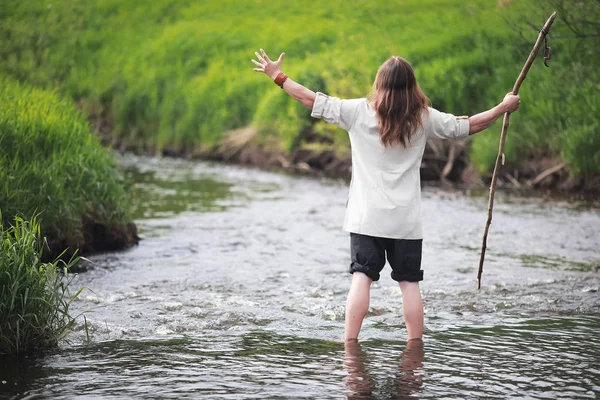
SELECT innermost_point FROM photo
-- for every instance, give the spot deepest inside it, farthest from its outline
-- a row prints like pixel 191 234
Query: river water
pixel 237 291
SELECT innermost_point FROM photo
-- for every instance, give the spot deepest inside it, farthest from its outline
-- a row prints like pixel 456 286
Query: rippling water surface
pixel 237 290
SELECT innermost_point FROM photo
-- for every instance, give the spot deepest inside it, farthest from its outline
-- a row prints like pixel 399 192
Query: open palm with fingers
pixel 264 64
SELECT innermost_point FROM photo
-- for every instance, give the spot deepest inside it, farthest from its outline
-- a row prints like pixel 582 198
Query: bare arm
pixel 479 122
pixel 303 95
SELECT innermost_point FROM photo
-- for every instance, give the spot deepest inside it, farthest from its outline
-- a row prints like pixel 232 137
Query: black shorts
pixel 404 255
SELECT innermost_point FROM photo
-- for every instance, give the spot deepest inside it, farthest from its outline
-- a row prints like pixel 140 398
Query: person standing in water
pixel 388 132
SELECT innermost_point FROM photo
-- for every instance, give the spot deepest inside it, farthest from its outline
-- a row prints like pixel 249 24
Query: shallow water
pixel 237 290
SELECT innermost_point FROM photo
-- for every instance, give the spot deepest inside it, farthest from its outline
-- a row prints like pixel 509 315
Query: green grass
pixel 177 74
pixel 35 297
pixel 51 165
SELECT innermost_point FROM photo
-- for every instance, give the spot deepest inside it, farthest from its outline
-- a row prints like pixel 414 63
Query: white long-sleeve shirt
pixel 385 191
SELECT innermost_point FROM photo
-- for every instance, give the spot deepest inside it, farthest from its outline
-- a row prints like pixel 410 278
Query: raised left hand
pixel 264 64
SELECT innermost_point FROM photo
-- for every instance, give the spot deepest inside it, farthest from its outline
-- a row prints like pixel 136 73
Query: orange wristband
pixel 280 79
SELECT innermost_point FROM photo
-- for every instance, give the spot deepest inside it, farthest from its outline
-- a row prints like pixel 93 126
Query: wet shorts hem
pixel 411 277
pixel 356 267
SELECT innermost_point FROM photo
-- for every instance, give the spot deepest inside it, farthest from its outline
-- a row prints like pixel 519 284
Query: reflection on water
pixel 358 382
pixel 168 193
pixel 238 287
pixel 550 358
pixel 411 372
pixel 403 383
pixel 407 380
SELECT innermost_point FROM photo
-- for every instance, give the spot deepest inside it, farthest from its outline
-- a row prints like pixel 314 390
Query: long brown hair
pixel 398 101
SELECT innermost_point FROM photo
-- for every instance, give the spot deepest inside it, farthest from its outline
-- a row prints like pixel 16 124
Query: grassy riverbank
pixel 35 297
pixel 51 165
pixel 176 76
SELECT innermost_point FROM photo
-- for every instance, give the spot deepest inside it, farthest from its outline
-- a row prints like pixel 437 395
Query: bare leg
pixel 412 307
pixel 357 304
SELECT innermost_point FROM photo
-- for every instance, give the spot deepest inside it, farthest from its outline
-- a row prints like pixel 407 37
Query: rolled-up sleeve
pixel 446 126
pixel 341 113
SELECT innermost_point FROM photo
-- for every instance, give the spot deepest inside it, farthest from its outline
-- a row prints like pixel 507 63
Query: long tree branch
pixel 543 32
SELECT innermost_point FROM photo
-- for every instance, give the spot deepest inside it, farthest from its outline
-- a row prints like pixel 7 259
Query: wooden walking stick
pixel 500 159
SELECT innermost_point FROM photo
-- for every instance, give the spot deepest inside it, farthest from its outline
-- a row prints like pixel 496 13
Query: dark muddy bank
pixel 445 163
pixel 95 237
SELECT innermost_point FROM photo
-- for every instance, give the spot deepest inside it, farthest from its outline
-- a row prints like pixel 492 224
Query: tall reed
pixel 35 297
